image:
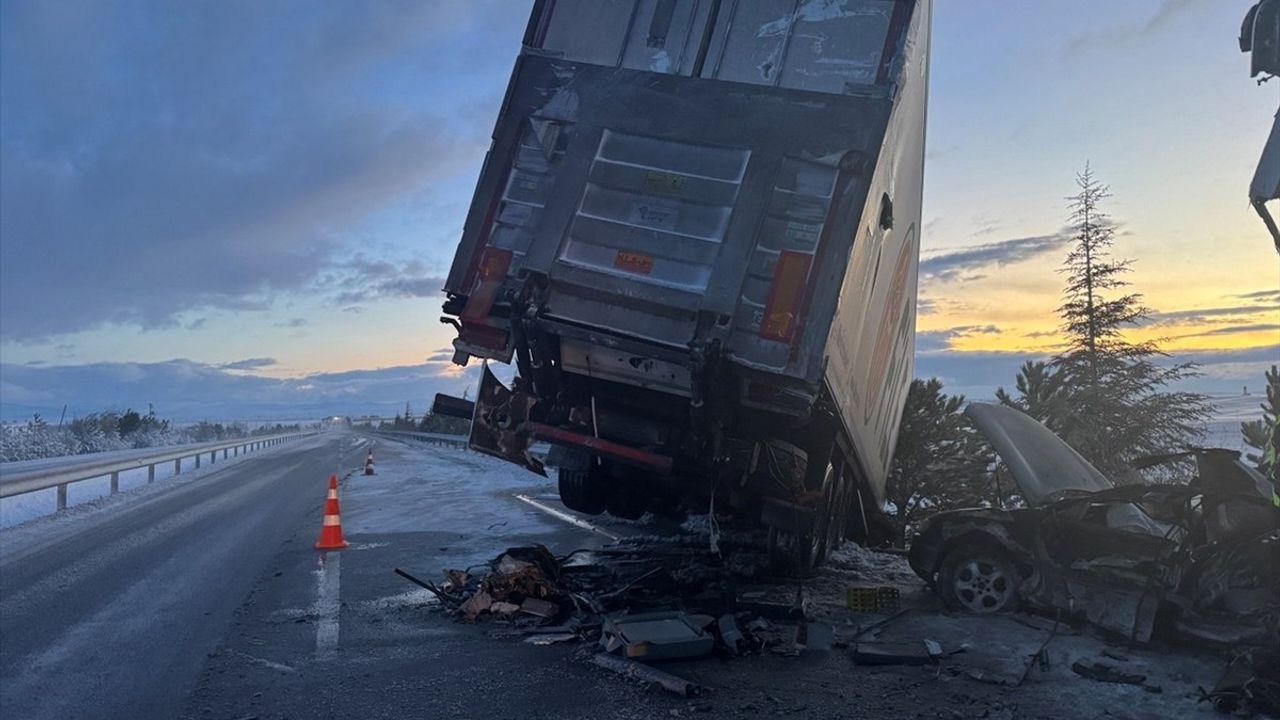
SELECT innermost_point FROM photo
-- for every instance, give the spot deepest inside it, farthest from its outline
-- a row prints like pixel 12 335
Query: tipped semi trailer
pixel 696 235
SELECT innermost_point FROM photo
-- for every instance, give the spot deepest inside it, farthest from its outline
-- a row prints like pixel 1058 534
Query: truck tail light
pixel 489 278
pixel 786 296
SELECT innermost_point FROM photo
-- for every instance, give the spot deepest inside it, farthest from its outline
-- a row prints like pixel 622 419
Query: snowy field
pixel 94 493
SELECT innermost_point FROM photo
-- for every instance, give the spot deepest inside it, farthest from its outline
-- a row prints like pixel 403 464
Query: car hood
pixel 1041 463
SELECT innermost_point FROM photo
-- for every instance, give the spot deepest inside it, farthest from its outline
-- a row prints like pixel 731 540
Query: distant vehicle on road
pixel 696 233
pixel 336 423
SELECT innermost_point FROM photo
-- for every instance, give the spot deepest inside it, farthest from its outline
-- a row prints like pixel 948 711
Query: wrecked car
pixel 1200 559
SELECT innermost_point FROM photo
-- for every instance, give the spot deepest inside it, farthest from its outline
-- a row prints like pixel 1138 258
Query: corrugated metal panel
pixel 796 215
pixel 654 211
pixel 529 181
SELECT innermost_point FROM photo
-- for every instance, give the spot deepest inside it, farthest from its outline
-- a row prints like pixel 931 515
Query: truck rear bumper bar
pixel 598 446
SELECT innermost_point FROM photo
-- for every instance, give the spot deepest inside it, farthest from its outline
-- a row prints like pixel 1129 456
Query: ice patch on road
pixel 420 597
pixel 265 662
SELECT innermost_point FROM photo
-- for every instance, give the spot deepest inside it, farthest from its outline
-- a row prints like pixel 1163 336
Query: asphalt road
pixel 112 614
pixel 206 601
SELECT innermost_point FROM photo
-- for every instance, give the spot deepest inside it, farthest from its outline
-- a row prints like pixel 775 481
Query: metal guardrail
pixel 444 440
pixel 22 482
pixel 432 438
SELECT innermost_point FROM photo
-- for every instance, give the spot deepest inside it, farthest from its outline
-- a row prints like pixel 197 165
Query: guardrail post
pixel 115 482
pixel 224 452
pixel 197 461
pixel 62 496
pixel 236 451
pixel 151 473
pixel 177 466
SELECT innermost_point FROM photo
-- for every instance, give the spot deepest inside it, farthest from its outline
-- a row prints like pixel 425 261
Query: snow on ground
pixel 419 488
pixel 90 496
pixel 1223 429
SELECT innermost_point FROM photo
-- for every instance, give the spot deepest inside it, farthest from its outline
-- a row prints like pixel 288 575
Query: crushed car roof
pixel 1041 463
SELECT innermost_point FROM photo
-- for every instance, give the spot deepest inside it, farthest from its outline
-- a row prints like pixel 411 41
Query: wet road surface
pixel 209 602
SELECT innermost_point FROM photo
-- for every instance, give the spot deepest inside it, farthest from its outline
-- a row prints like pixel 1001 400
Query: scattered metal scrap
pixel 644 673
pixel 636 601
pixel 1250 683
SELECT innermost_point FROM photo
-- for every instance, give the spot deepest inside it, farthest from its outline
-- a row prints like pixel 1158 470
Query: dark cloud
pixel 363 280
pixel 187 390
pixel 249 364
pixel 978 374
pixel 293 323
pixel 1237 329
pixel 1106 36
pixel 1192 316
pixel 159 158
pixel 938 340
pixel 1273 295
pixel 964 263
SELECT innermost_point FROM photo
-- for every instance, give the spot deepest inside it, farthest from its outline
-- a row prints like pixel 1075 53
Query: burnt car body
pixel 1200 559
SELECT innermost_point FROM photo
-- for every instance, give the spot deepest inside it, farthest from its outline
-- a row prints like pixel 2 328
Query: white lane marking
pixel 266 663
pixel 328 575
pixel 566 517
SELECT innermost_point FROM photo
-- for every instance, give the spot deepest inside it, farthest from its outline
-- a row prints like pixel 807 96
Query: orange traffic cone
pixel 368 464
pixel 331 531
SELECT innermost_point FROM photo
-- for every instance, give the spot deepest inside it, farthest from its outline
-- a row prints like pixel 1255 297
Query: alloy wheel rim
pixel 982 586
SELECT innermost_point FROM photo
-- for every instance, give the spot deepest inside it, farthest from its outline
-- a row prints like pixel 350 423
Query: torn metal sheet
pixel 1041 463
pixel 655 636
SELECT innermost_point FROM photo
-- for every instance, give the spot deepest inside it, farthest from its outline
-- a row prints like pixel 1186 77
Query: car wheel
pixel 979 578
pixel 581 490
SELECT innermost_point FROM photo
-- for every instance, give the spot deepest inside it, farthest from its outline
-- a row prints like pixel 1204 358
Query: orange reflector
pixel 784 299
pixel 492 272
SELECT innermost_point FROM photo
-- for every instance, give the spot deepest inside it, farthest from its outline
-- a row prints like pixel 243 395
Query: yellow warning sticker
pixel 633 262
pixel 666 183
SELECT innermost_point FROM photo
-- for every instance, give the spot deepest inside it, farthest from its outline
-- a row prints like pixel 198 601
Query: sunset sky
pixel 239 207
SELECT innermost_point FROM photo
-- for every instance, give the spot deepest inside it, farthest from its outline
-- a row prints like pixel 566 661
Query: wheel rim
pixel 983 586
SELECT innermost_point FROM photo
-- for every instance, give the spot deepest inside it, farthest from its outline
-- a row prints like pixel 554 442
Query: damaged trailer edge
pixel 696 236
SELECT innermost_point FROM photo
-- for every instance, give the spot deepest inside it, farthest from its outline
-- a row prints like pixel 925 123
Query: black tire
pixel 801 554
pixel 980 578
pixel 580 490
pixel 627 505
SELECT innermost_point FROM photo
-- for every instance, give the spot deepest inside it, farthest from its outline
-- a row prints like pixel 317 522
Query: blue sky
pixel 230 208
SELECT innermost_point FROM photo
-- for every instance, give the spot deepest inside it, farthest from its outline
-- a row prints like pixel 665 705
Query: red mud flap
pixel 597 446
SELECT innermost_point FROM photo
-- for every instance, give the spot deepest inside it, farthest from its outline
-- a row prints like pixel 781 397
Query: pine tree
pixel 940 461
pixel 1263 435
pixel 1106 396
pixel 1039 392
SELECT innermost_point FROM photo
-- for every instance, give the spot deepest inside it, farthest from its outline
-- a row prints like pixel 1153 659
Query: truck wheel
pixel 839 514
pixel 794 555
pixel 581 490
pixel 980 578
pixel 800 554
pixel 626 506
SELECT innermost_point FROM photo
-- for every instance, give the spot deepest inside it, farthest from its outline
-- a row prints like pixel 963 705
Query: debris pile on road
pixel 635 602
